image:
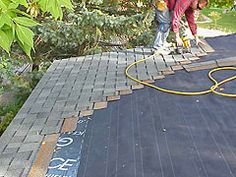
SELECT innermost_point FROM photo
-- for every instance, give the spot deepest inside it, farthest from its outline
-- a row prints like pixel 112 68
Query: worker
pixel 168 14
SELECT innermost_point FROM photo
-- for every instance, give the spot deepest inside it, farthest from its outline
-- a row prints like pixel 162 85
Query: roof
pixel 142 133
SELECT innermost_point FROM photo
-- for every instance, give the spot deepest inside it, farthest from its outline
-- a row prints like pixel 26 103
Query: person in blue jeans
pixel 168 14
pixel 164 18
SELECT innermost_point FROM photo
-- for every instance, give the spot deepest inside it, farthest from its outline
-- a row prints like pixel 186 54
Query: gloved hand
pixel 178 40
pixel 199 41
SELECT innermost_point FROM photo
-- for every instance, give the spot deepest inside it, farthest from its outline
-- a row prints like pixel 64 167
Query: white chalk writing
pixel 62 163
pixel 66 141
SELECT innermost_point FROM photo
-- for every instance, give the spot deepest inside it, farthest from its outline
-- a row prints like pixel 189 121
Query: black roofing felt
pixel 66 157
pixel 225 46
pixel 154 134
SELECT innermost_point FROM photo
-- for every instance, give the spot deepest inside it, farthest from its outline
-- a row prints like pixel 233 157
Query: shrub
pixel 221 3
pixel 23 85
pixel 6 121
pixel 84 32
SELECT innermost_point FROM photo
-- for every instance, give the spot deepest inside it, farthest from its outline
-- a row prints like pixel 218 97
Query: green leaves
pixel 86 30
pixel 221 3
pixel 14 20
pixel 10 34
pixel 9 23
pixel 22 2
pixel 25 35
pixel 5 42
pixel 26 48
pixel 67 4
pixel 5 19
pixel 55 7
pixel 24 38
pixel 25 21
pixel 3 5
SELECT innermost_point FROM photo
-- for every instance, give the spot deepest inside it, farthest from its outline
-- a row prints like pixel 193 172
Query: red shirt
pixel 179 8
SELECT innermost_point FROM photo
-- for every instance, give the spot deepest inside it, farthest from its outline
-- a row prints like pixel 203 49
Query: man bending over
pixel 169 14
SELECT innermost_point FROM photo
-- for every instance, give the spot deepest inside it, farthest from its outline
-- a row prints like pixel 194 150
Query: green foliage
pixel 15 24
pixel 12 28
pixel 144 39
pixel 8 112
pixel 221 3
pixel 78 33
pixel 125 7
pixel 6 71
pixel 215 16
pixel 6 121
pixel 83 31
pixel 33 78
pixel 54 6
pixel 6 67
pixel 23 85
pixel 226 23
pixel 26 82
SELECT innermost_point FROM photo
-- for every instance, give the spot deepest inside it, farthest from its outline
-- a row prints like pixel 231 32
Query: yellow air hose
pixel 212 89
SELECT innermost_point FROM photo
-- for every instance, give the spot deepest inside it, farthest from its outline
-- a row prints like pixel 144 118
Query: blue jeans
pixel 164 18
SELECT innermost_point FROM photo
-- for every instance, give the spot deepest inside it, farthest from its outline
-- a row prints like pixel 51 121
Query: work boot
pixel 167 44
pixel 162 51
